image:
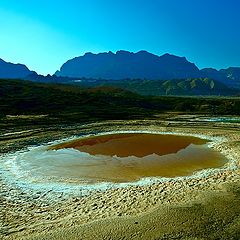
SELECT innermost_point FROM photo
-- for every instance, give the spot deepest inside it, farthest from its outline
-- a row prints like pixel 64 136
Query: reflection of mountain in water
pixel 71 165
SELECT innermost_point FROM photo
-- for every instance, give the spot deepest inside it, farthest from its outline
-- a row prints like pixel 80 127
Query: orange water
pixel 132 156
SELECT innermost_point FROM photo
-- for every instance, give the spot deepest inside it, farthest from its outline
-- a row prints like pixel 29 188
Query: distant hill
pixel 126 64
pixel 175 87
pixel 229 76
pixel 141 72
pixel 143 65
pixel 71 103
pixel 67 103
pixel 11 70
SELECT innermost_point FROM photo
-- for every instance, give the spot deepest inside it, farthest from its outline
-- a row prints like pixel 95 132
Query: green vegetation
pixel 74 104
pixel 177 87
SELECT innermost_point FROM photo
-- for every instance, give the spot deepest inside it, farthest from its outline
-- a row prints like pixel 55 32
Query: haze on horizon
pixel 45 34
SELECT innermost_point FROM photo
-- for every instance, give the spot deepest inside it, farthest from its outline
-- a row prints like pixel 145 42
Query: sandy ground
pixel 204 206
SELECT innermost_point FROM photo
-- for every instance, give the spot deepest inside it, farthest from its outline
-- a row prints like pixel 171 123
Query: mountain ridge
pixel 12 70
pixel 125 65
pixel 174 87
pixel 143 65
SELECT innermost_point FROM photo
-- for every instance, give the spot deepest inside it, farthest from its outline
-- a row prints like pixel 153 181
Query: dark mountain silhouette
pixel 48 78
pixel 10 70
pixel 175 75
pixel 143 65
pixel 126 64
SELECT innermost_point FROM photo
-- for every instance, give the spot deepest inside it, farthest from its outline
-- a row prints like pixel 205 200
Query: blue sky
pixel 43 34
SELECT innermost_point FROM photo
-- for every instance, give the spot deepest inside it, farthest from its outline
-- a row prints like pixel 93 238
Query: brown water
pixel 132 156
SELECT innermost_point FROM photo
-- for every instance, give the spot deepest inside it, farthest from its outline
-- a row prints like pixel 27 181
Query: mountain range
pixel 179 87
pixel 10 70
pixel 143 65
pixel 124 65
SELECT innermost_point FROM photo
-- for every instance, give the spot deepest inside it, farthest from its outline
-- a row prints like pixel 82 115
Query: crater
pixel 126 157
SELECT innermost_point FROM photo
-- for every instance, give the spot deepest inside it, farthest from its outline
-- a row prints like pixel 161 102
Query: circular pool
pixel 116 158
